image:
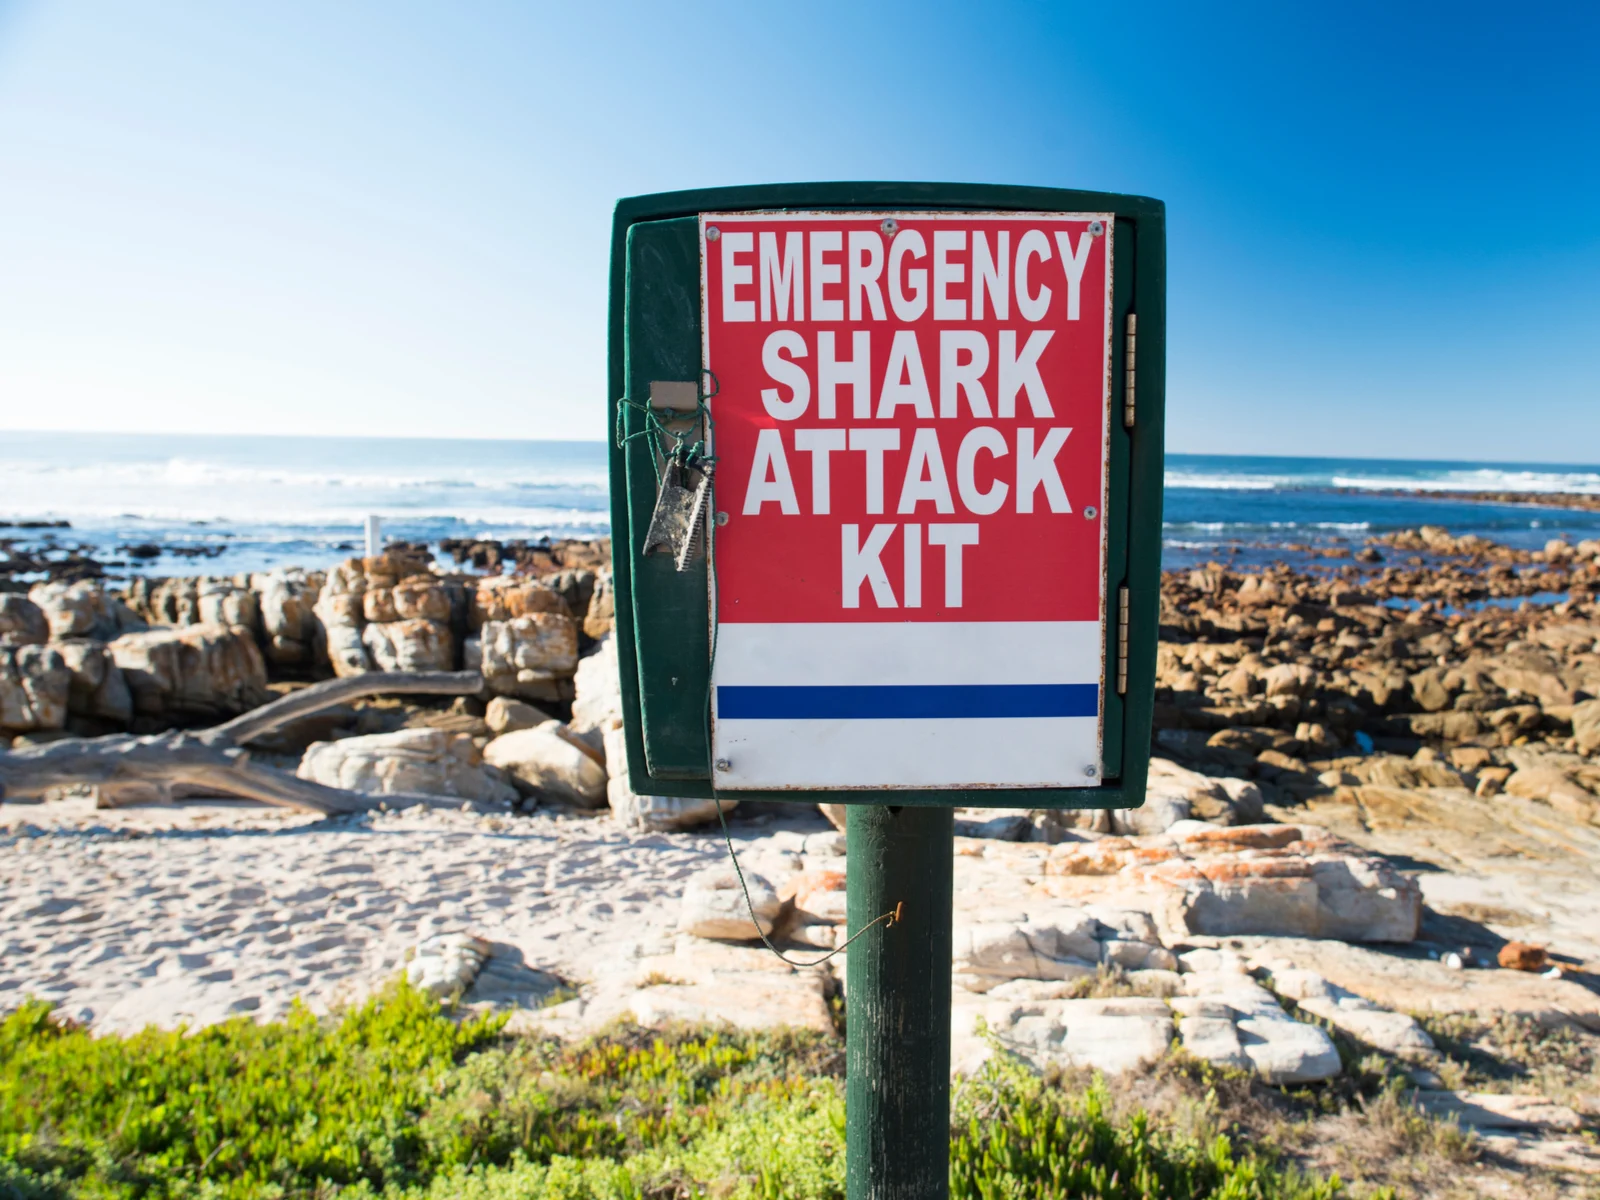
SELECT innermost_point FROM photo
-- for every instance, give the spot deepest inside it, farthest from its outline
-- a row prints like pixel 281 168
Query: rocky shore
pixel 1436 670
pixel 1580 501
pixel 1375 807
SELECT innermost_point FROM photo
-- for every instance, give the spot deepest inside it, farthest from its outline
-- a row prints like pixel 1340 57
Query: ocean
pixel 221 505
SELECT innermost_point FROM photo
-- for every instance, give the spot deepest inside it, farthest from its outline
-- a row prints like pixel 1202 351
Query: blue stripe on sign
pixel 887 702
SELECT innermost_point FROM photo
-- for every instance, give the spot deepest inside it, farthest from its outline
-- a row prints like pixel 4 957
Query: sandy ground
pixel 191 912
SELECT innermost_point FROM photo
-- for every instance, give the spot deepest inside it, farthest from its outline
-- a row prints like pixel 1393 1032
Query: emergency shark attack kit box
pixel 886 477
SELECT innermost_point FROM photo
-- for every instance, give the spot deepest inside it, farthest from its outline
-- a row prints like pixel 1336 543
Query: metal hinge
pixel 1129 369
pixel 1122 640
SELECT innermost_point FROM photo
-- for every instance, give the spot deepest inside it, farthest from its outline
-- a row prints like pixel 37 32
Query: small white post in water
pixel 374 536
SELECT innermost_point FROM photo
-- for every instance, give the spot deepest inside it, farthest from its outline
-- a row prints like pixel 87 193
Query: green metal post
pixel 897 1041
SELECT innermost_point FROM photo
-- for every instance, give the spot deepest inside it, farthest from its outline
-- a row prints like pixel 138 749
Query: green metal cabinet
pixel 664 639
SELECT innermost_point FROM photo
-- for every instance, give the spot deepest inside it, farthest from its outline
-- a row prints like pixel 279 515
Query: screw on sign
pixel 911 407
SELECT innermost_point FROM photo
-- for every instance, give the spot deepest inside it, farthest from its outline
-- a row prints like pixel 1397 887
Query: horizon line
pixel 601 441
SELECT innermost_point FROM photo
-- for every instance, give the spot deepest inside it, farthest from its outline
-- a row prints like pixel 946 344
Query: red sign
pixel 912 416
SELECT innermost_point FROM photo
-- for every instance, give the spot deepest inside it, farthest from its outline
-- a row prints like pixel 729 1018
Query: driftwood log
pixel 126 769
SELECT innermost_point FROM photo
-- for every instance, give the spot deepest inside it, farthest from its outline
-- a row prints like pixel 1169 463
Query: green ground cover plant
pixel 398 1099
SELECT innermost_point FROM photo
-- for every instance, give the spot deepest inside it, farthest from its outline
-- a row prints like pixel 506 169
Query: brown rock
pixel 1470 758
pixel 500 599
pixel 1251 739
pixel 1543 782
pixel 34 686
pixel 575 586
pixel 1523 956
pixel 1428 690
pixel 83 609
pixel 597 621
pixel 1492 781
pixel 196 672
pixel 1517 720
pixel 1316 737
pixel 1239 681
pixel 22 622
pixel 1533 676
pixel 377 604
pixel 421 598
pixel 1244 837
pixel 1447 726
pixel 1586 726
pixel 1290 679
pixel 98 688
pixel 1258 590
pixel 1282 762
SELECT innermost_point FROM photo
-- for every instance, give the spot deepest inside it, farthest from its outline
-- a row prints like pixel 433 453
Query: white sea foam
pixel 1482 479
pixel 181 473
pixel 1261 526
pixel 1241 483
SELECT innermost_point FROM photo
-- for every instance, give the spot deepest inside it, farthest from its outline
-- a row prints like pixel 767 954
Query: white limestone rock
pixel 531 656
pixel 714 906
pixel 1279 1048
pixel 651 814
pixel 1109 1035
pixel 1176 793
pixel 1365 900
pixel 1207 1031
pixel 1392 1032
pixel 1283 1050
pixel 830 844
pixel 548 761
pixel 660 814
pixel 597 690
pixel 993 948
pixel 505 715
pixel 446 964
pixel 426 762
pixel 1273 880
pixel 1133 955
pixel 409 644
pixel 1003 825
pixel 819 899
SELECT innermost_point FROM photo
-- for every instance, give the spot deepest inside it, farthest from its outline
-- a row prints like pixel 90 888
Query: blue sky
pixel 392 218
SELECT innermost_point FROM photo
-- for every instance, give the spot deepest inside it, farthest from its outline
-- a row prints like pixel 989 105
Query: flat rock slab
pixel 1488 1110
pixel 1109 1035
pixel 1289 880
pixel 1406 980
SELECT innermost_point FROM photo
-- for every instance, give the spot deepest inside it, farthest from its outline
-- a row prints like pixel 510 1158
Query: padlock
pixel 680 511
